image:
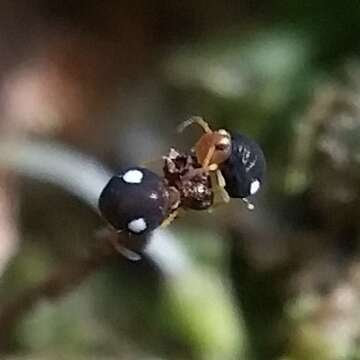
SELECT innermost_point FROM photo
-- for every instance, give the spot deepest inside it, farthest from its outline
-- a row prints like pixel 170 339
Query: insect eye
pixel 220 147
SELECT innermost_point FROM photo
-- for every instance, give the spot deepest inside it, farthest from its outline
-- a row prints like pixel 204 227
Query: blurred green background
pixel 111 81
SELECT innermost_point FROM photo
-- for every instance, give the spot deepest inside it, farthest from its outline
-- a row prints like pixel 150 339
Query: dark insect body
pixel 244 169
pixel 136 200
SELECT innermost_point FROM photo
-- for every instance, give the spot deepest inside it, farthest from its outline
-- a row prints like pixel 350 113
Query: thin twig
pixel 64 279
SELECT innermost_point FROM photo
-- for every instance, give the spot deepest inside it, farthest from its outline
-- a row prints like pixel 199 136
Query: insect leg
pixel 169 219
pixel 195 120
pixel 206 162
pixel 249 205
pixel 218 185
pixel 129 254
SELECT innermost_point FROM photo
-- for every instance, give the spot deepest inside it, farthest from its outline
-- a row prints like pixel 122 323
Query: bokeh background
pixel 88 86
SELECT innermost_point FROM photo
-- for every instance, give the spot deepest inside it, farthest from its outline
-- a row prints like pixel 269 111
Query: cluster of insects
pixel 220 166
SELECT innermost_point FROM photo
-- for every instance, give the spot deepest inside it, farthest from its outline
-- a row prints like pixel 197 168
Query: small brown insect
pixel 234 162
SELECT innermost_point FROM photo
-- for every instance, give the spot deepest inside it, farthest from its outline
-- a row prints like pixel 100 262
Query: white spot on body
pixel 154 196
pixel 254 187
pixel 137 225
pixel 133 176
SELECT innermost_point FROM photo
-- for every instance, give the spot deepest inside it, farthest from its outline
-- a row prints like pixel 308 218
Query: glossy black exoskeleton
pixel 135 200
pixel 244 169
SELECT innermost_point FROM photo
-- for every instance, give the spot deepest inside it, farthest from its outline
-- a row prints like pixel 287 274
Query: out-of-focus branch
pixel 76 174
pixel 83 177
pixel 63 280
pixel 8 218
pixel 56 164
